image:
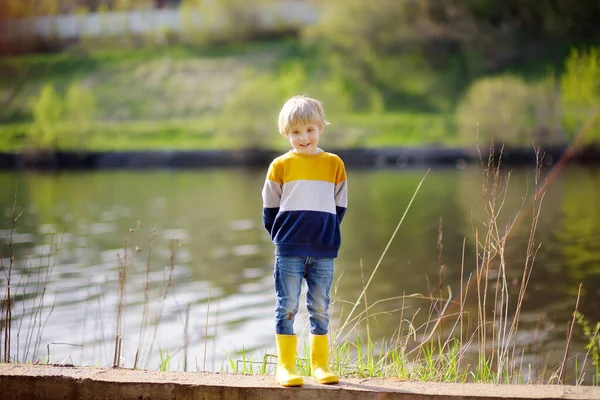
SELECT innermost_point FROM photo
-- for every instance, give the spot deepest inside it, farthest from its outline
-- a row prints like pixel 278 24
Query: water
pixel 209 281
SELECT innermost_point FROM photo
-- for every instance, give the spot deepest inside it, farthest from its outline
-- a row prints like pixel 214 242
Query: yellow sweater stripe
pixel 325 167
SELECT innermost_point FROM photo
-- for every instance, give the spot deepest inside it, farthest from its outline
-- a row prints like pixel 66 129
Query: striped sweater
pixel 304 200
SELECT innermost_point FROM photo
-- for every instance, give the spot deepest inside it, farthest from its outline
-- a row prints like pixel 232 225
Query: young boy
pixel 304 200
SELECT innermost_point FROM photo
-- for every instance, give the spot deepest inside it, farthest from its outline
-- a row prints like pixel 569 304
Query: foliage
pixel 50 111
pixel 246 365
pixel 47 112
pixel 547 112
pixel 414 53
pixel 222 21
pixel 558 19
pixel 245 117
pixel 493 29
pixel 249 117
pixel 165 360
pixel 80 107
pixel 592 336
pixel 152 93
pixel 495 108
pixel 507 110
pixel 375 52
pixel 580 87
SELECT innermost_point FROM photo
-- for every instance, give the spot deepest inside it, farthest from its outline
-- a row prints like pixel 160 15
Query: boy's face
pixel 305 138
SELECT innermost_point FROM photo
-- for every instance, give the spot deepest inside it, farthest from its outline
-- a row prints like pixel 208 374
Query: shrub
pixel 508 110
pixel 47 111
pixel 80 106
pixel 62 122
pixel 580 92
pixel 377 52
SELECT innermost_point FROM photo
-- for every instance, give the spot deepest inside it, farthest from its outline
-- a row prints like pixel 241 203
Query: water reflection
pixel 201 245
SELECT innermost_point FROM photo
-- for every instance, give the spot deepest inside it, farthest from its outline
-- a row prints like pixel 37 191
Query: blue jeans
pixel 318 273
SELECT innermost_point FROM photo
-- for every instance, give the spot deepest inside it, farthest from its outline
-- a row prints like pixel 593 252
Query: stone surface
pixel 22 381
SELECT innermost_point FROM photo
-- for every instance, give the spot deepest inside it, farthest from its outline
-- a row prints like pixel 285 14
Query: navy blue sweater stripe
pixel 268 217
pixel 306 233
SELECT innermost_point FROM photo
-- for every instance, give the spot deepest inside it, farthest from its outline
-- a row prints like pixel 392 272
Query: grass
pixel 204 133
pixel 165 360
pixel 401 129
pixel 129 135
pixel 244 364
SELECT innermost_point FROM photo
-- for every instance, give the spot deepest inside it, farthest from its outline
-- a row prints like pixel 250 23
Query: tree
pixel 400 48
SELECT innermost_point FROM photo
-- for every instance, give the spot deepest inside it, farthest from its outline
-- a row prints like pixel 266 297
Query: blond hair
pixel 301 110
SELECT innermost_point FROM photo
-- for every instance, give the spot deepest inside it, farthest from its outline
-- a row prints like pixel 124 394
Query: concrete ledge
pixel 19 381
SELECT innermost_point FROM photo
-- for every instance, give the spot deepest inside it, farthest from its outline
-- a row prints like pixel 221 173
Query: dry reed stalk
pixel 174 243
pixel 7 304
pixel 206 329
pixel 334 300
pixel 101 327
pixel 120 307
pixel 484 257
pixel 480 316
pixel 592 340
pixel 571 150
pixel 462 294
pixel 215 330
pixel 440 248
pixel 383 254
pixel 493 247
pixel 137 358
pixel 26 276
pixel 85 318
pixel 489 251
pixel 186 337
pixel 531 252
pixel 362 277
pixel 563 367
pixel 122 268
pixel 144 322
pixel 51 261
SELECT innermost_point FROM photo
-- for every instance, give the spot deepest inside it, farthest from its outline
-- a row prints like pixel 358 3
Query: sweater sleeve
pixel 341 192
pixel 271 197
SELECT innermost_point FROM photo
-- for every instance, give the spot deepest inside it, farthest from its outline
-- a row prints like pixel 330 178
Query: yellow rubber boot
pixel 319 360
pixel 286 373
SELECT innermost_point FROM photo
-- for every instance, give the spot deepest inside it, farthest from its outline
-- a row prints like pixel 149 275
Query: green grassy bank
pixel 204 133
pixel 198 97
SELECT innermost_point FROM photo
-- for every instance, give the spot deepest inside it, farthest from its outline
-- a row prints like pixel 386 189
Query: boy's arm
pixel 341 192
pixel 271 196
